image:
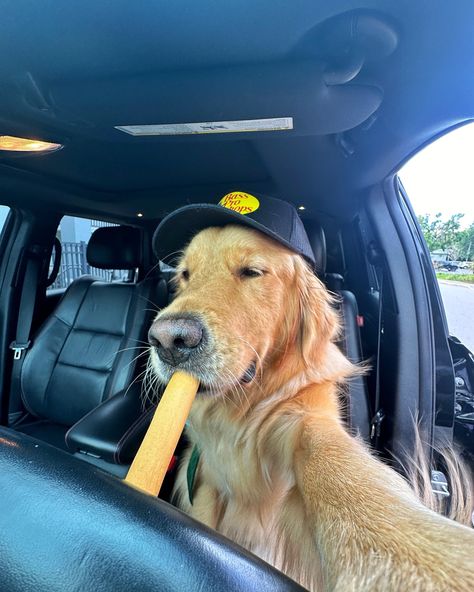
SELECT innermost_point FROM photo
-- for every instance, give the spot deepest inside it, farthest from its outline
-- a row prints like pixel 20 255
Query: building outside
pixel 74 234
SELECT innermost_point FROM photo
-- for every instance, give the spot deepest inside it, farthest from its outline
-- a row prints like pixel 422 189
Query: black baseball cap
pixel 276 218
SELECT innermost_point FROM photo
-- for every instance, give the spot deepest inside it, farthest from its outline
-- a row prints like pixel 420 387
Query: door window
pixel 74 234
pixel 439 182
pixel 4 211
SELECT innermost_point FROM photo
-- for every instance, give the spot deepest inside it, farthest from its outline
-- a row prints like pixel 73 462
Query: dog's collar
pixel 191 472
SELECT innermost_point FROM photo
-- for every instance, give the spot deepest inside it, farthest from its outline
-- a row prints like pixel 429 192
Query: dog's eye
pixel 185 274
pixel 250 272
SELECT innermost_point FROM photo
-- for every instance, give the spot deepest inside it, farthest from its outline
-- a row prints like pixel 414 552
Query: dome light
pixel 14 144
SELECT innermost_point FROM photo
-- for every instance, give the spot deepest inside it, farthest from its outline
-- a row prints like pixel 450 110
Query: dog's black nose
pixel 175 338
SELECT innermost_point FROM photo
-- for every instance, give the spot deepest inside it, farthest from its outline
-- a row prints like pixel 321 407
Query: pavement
pixel 458 299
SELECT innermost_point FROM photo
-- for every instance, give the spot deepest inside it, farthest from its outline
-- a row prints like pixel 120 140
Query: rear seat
pixel 357 404
pixel 85 352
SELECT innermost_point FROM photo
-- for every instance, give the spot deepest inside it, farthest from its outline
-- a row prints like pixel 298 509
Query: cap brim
pixel 177 229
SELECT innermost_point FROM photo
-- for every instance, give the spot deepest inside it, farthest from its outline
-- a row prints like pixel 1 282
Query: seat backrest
pixel 358 412
pixel 357 407
pixel 86 351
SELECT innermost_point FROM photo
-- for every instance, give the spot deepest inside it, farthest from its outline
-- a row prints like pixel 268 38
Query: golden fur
pixel 278 472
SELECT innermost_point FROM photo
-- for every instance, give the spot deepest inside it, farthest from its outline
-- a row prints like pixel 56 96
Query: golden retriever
pixel 277 471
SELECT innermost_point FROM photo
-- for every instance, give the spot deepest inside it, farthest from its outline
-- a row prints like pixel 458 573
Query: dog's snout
pixel 175 338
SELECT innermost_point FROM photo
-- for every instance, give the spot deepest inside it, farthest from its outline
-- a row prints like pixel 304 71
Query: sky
pixel 440 178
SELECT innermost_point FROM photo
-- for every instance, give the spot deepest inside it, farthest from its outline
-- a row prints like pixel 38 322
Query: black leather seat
pixel 85 352
pixel 357 403
pixel 358 406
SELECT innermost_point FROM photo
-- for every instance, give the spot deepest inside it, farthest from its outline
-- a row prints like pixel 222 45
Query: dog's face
pixel 243 302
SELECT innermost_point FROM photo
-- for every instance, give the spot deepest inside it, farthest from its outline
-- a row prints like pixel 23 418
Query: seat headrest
pixel 317 240
pixel 115 247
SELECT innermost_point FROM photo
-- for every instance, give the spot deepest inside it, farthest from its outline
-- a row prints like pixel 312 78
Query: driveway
pixel 458 298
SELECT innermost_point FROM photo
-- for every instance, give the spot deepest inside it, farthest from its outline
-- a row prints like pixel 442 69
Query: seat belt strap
pixel 379 414
pixel 34 262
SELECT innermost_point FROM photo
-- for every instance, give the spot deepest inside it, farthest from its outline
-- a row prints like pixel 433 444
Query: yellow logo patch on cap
pixel 244 203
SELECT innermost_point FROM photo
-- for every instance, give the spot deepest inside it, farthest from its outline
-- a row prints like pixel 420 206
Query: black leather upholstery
pixel 114 430
pixel 357 404
pixel 317 240
pixel 46 430
pixel 110 434
pixel 74 363
pixel 66 525
pixel 85 351
pixel 358 410
pixel 115 247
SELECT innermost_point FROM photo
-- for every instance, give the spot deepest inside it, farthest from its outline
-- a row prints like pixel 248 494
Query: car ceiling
pixel 366 83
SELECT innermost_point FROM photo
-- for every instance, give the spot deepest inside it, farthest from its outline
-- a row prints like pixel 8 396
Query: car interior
pixel 365 85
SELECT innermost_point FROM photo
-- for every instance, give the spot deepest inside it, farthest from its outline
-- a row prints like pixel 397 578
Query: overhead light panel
pixel 14 144
pixel 271 124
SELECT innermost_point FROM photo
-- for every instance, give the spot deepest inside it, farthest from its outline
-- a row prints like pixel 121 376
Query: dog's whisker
pixel 138 341
pixel 146 386
pixel 151 309
pixel 259 359
pixel 134 381
pixel 135 347
pixel 149 385
pixel 224 394
pixel 238 388
pixel 233 390
pixel 156 308
pixel 177 253
pixel 119 351
pixel 143 353
pixel 150 271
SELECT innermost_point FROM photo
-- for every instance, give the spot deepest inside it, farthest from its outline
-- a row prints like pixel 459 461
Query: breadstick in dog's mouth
pixel 151 462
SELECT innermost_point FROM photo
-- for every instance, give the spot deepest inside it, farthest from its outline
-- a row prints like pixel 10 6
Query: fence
pixel 74 264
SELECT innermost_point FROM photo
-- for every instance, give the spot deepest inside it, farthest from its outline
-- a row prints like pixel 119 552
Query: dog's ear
pixel 317 322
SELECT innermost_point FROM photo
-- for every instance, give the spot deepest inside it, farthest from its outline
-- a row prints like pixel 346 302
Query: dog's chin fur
pixel 278 473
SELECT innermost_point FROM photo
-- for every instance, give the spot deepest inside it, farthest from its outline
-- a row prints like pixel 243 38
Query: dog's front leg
pixel 205 506
pixel 371 531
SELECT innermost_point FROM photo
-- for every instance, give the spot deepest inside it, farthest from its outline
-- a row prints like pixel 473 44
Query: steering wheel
pixel 66 525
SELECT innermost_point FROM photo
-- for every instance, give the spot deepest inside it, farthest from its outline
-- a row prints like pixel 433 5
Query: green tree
pixel 465 244
pixel 441 234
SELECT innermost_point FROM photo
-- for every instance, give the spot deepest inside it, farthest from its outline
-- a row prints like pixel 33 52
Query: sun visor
pixel 295 90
